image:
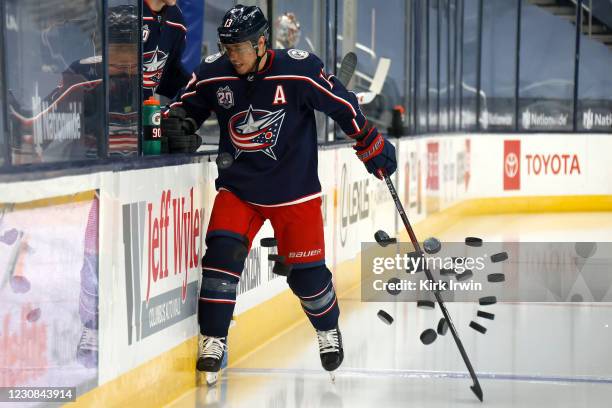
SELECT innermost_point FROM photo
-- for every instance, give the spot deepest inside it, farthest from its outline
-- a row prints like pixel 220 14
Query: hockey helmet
pixel 243 23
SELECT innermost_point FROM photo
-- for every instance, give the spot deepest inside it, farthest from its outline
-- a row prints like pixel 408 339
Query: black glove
pixel 180 132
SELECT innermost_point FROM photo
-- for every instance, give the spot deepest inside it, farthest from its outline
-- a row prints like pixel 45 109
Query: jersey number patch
pixel 225 97
pixel 279 96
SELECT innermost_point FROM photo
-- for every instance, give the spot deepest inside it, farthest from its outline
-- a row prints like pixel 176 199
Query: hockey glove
pixel 180 132
pixel 376 153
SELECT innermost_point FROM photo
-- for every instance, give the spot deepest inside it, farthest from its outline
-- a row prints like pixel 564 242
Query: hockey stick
pixel 476 387
pixel 347 68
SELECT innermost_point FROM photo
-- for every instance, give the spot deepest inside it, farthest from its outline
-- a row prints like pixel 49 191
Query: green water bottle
pixel 151 118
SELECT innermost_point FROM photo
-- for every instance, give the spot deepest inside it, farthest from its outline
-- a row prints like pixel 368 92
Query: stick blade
pixel 347 68
pixel 477 391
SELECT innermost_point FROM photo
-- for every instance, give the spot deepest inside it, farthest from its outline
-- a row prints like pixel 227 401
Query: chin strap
pixel 258 60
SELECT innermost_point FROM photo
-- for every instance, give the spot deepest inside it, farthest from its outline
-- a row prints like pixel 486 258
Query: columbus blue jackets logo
pixel 153 63
pixel 255 130
pixel 212 58
pixel 297 54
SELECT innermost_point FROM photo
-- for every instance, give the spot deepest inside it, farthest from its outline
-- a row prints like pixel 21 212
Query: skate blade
pixel 211 378
pixel 332 377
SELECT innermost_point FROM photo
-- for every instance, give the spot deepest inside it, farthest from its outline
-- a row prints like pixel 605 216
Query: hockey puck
pixel 393 282
pixel 268 242
pixel 585 249
pixel 19 284
pixel 432 245
pixel 447 271
pixel 478 327
pixel 224 161
pixel 416 262
pixel 385 317
pixel 383 239
pixel 276 258
pixel 473 241
pixel 428 336
pixel 426 304
pixel 442 327
pixel 467 274
pixel 33 315
pixel 496 277
pixel 485 315
pixel 487 300
pixel 576 297
pixel 10 236
pixel 501 256
pixel 281 269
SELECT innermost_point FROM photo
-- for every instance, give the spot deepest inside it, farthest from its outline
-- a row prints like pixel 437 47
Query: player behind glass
pixel 264 101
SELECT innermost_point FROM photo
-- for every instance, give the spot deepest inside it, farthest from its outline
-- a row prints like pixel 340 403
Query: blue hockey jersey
pixel 163 36
pixel 267 122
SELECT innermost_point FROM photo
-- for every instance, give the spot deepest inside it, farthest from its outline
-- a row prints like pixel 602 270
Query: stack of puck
pixel 184 143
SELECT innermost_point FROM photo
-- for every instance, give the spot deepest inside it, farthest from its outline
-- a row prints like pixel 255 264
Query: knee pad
pixel 225 253
pixel 314 288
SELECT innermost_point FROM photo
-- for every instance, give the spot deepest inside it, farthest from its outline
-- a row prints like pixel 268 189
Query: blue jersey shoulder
pixel 297 62
pixel 216 65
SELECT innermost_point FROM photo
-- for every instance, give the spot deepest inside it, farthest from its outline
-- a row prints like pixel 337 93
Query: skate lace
pixel 89 339
pixel 328 341
pixel 212 347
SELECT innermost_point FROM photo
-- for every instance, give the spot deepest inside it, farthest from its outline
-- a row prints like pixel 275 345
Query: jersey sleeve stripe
pixel 177 25
pixel 215 79
pixel 192 80
pixel 188 94
pixel 318 86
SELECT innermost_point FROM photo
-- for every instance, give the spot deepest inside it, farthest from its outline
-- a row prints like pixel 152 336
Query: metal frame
pixel 427 104
pixel 417 66
pixel 407 59
pixel 6 153
pixel 479 65
pixel 577 63
pixel 448 66
pixel 461 66
pixel 457 84
pixel 103 144
pixel 517 66
pixel 140 80
pixel 439 43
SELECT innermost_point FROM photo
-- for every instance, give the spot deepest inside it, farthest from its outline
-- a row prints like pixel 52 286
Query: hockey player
pixel 264 101
pixel 163 37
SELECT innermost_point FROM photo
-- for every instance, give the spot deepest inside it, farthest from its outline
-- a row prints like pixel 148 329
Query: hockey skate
pixel 210 356
pixel 330 350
